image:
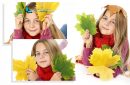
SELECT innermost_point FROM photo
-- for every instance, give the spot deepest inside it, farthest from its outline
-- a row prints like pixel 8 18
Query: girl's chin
pixel 32 34
pixel 105 33
pixel 44 66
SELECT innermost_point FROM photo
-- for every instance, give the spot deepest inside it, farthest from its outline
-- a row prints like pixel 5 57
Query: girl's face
pixel 32 24
pixel 42 56
pixel 107 23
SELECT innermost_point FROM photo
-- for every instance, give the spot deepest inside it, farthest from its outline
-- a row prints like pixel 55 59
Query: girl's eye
pixel 112 22
pixel 45 53
pixel 26 20
pixel 36 21
pixel 37 54
pixel 105 18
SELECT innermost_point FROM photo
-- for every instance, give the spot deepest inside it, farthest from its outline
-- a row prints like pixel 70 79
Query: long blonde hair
pixel 120 33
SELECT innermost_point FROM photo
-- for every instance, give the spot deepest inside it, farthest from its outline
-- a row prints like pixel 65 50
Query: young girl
pixel 30 27
pixel 111 31
pixel 44 51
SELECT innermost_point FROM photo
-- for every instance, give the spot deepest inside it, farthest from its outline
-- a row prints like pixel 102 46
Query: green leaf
pixel 63 65
pixel 86 22
pixel 20 8
pixel 104 46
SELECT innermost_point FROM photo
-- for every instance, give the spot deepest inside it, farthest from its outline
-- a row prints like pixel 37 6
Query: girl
pixel 111 31
pixel 29 26
pixel 44 51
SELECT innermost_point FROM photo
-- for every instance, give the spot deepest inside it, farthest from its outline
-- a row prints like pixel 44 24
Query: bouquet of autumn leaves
pixel 42 8
pixel 103 62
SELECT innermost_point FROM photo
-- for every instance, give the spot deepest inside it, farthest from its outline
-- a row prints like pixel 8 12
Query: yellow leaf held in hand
pixel 105 73
pixel 21 66
pixel 45 8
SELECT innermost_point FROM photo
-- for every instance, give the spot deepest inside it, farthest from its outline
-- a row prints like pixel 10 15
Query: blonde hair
pixel 120 33
pixel 50 45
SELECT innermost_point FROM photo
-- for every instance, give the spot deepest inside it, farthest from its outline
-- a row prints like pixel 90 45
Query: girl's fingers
pixel 48 20
pixel 29 71
pixel 58 74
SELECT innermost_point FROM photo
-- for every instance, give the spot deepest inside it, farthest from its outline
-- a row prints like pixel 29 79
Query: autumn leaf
pixel 104 72
pixel 103 57
pixel 20 8
pixel 45 8
pixel 103 60
pixel 20 67
pixel 86 22
pixel 63 65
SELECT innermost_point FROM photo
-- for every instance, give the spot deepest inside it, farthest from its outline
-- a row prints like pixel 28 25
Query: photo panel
pixel 34 20
pixel 42 60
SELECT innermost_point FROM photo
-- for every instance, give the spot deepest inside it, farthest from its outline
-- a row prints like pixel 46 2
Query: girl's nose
pixel 32 25
pixel 107 23
pixel 42 56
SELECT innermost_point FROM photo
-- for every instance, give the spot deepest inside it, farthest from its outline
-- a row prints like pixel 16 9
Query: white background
pixel 75 42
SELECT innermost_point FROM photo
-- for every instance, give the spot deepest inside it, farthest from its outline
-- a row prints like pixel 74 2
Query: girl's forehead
pixel 40 46
pixel 32 15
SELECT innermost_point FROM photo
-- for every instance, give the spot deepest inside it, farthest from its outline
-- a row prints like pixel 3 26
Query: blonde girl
pixel 112 31
pixel 44 52
pixel 29 26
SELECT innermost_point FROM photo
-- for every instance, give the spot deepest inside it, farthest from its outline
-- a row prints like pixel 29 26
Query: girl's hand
pixel 19 21
pixel 87 38
pixel 56 77
pixel 47 22
pixel 32 75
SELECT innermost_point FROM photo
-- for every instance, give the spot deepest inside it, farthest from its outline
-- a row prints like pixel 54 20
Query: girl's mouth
pixel 43 61
pixel 105 28
pixel 33 30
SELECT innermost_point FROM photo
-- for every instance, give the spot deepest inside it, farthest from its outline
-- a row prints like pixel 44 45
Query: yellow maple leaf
pixel 21 66
pixel 104 72
pixel 44 8
pixel 102 60
pixel 103 57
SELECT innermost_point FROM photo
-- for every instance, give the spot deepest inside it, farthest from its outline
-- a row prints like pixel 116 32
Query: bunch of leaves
pixel 63 65
pixel 45 8
pixel 21 66
pixel 20 8
pixel 102 61
pixel 86 22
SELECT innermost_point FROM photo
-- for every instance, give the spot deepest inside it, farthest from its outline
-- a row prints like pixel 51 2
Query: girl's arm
pixel 124 52
pixel 17 34
pixel 46 34
pixel 87 48
pixel 85 55
pixel 18 23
